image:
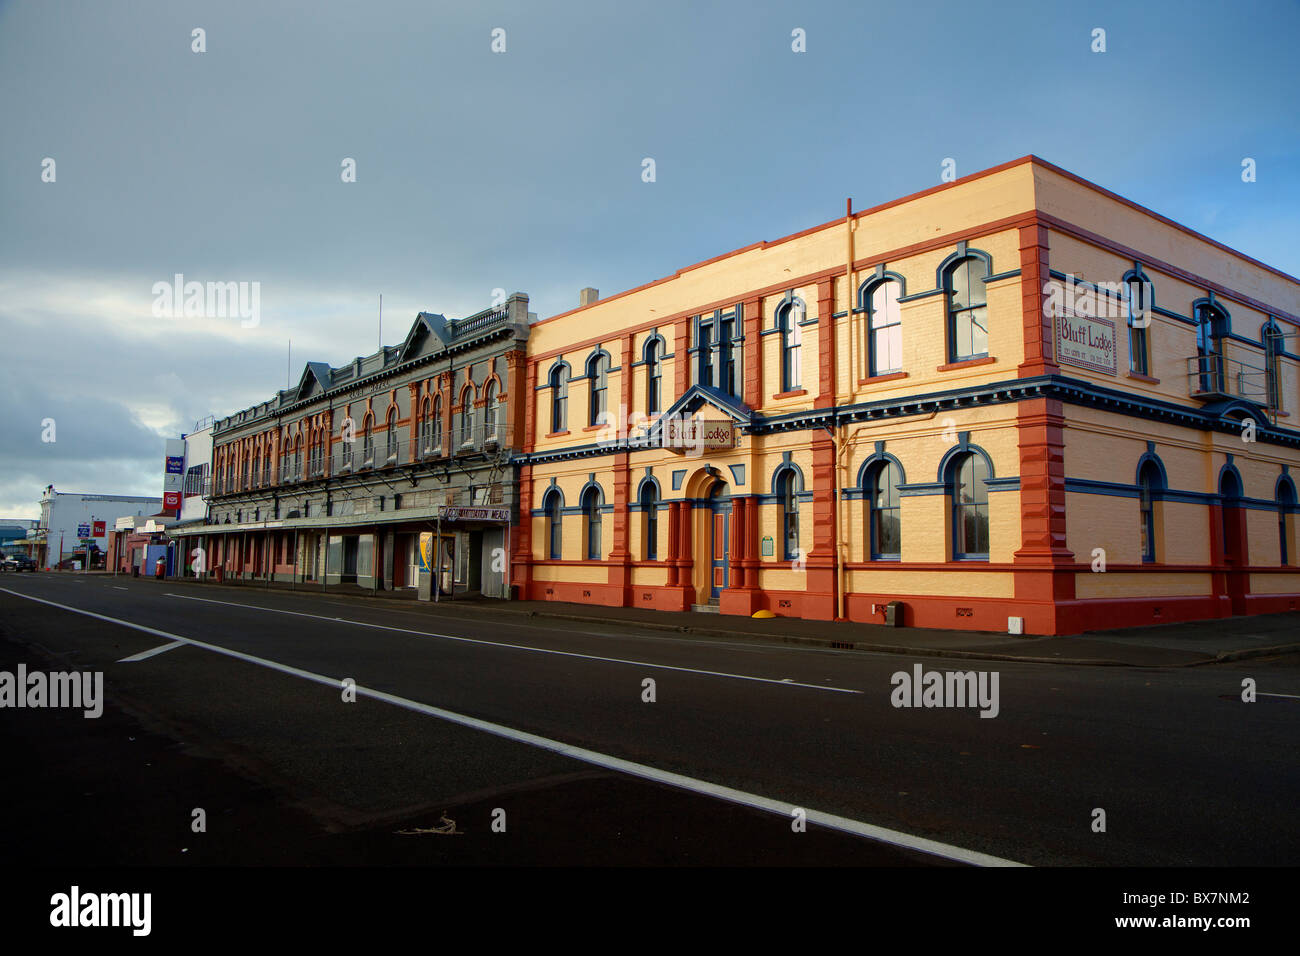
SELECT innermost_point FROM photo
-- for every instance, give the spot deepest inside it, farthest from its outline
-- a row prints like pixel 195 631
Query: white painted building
pixel 67 517
pixel 198 472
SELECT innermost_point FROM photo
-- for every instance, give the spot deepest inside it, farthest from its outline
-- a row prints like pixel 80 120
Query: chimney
pixel 587 296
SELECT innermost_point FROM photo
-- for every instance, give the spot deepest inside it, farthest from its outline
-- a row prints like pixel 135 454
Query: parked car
pixel 17 562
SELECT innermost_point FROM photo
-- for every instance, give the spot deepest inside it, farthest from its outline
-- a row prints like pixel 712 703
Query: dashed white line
pixel 682 782
pixel 786 682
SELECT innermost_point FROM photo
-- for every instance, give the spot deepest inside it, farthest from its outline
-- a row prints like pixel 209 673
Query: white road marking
pixel 654 774
pixel 145 655
pixel 1291 696
pixel 519 647
pixel 118 588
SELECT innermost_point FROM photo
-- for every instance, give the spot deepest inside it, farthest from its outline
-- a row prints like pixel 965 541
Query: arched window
pixel 591 500
pixel 1149 484
pixel 559 384
pixel 266 466
pixel 598 374
pixel 1286 502
pixel 968 329
pixel 554 528
pixel 490 412
pixel 426 431
pixel 1273 345
pixel 257 466
pixel 348 436
pixel 297 459
pixel 884 329
pixel 436 444
pixel 650 520
pixel 1139 321
pixel 787 497
pixel 466 416
pixel 884 527
pixel 788 316
pixel 390 444
pixel 1211 327
pixel 243 474
pixel 367 447
pixel 969 495
pixel 653 375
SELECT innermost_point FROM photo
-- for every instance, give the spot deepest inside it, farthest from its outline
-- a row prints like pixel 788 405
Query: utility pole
pixel 381 322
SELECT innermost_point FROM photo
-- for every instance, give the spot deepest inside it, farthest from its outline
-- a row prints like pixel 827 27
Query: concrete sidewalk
pixel 1163 645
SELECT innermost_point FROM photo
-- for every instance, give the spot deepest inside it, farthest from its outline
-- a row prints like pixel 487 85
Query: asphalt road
pixel 457 717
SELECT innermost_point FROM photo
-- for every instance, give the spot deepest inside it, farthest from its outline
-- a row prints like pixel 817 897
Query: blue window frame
pixel 968 492
pixel 591 500
pixel 650 521
pixel 788 501
pixel 1148 487
pixel 884 525
pixel 788 317
pixel 884 328
pixel 968 334
pixel 554 526
pixel 598 375
pixel 1286 502
pixel 559 385
pixel 653 376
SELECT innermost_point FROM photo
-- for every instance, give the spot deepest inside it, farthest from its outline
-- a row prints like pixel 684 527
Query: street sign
pixel 83 530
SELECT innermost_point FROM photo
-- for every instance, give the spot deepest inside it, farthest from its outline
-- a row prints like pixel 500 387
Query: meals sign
pixel 1086 341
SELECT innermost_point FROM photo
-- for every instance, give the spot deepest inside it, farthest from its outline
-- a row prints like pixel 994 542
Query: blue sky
pixel 522 170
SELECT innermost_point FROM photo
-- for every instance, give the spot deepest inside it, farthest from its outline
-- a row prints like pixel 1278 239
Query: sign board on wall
pixel 1086 342
pixel 83 530
pixel 474 514
pixel 98 529
pixel 173 473
pixel 683 433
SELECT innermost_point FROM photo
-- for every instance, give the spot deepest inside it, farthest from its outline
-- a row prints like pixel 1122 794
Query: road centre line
pixel 595 758
pixel 519 647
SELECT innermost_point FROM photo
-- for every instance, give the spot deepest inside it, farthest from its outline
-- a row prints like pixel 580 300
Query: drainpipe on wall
pixel 836 426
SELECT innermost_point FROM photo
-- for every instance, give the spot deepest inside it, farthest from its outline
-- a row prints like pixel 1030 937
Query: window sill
pixel 558 434
pixel 594 428
pixel 966 363
pixel 1138 376
pixel 793 394
pixel 887 377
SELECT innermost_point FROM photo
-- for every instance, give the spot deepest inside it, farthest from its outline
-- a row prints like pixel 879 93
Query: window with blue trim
pixel 716 339
pixel 591 518
pixel 650 521
pixel 1139 321
pixel 884 329
pixel 788 501
pixel 1273 345
pixel 653 376
pixel 1148 485
pixel 884 524
pixel 598 375
pixel 554 527
pixel 788 317
pixel 559 385
pixel 968 476
pixel 968 333
pixel 1285 520
pixel 1211 327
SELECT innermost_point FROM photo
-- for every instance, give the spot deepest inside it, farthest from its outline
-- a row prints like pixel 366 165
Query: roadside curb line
pixel 705 631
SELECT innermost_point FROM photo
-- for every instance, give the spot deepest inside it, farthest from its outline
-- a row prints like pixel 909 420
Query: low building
pixel 332 481
pixel 1016 401
pixel 71 521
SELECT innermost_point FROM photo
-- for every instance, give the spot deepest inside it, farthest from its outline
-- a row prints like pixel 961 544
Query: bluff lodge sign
pixel 680 434
pixel 1086 342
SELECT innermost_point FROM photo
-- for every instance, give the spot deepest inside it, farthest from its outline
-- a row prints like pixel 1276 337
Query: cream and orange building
pixel 1012 401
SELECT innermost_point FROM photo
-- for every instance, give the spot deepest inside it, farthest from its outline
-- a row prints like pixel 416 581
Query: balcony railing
pixel 1217 376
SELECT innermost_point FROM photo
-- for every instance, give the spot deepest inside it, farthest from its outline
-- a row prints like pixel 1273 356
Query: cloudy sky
pixel 521 170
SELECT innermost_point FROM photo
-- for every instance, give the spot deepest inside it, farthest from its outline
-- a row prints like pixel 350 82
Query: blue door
pixel 720 523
